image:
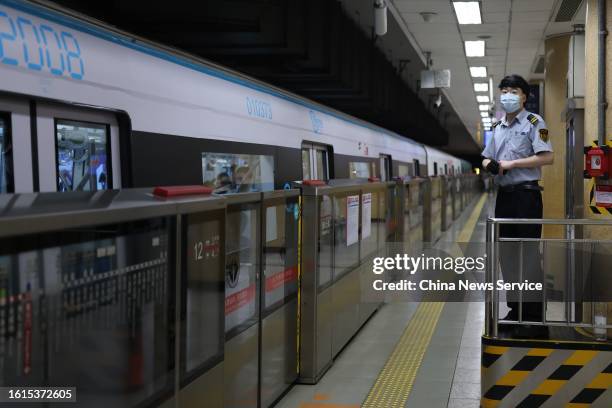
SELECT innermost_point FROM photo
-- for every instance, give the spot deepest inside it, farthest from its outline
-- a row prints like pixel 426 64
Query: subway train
pixel 160 309
pixel 86 107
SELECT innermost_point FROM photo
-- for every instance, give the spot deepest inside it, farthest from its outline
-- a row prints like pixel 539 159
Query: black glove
pixel 493 167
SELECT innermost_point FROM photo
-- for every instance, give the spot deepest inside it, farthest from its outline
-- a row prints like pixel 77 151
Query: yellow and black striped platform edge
pixel 594 389
pixel 540 393
pixel 512 378
pixel 592 207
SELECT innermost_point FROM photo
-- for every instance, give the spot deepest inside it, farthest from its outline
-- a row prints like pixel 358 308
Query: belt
pixel 526 185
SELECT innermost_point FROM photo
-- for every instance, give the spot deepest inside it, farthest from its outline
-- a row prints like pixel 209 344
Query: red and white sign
pixel 603 195
pixel 280 284
pixel 281 278
pixel 596 163
pixel 239 299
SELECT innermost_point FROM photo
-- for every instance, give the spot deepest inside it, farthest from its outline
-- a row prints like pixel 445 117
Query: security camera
pixel 380 17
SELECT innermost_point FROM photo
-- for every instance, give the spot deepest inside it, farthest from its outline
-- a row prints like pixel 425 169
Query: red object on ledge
pixel 373 179
pixel 173 191
pixel 314 183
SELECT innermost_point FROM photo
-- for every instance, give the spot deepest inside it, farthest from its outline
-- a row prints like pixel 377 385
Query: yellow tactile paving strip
pixel 394 383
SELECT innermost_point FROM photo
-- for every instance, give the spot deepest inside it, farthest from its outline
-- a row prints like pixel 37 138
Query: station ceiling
pixel 326 50
pixel 514 32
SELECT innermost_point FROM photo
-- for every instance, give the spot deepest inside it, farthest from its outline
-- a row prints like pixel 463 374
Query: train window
pixel 359 170
pixel 82 153
pixel 6 155
pixel 417 168
pixel 385 167
pixel 435 169
pixel 315 163
pixel 402 170
pixel 237 173
pixel 446 169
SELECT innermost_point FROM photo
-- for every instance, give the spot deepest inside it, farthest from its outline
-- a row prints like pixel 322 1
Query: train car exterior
pixel 441 163
pixel 86 107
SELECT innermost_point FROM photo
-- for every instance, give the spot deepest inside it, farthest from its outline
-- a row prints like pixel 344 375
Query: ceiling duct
pixel 567 10
pixel 540 64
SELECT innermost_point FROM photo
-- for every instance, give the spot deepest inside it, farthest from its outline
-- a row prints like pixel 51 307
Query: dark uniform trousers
pixel 521 204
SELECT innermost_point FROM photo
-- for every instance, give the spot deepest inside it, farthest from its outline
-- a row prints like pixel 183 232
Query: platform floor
pixel 441 369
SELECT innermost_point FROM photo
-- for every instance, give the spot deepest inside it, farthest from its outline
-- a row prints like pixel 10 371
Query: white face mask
pixel 510 102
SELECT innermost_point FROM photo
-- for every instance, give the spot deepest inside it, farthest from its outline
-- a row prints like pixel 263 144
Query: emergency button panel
pixel 596 162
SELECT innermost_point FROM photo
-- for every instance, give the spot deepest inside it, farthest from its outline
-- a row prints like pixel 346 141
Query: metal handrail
pixel 550 221
pixel 492 273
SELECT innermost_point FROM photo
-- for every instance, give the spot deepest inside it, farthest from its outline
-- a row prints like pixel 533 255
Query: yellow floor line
pixel 394 383
pixel 470 224
pixel 395 380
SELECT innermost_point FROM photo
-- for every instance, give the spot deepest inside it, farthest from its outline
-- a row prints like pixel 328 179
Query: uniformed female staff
pixel 520 146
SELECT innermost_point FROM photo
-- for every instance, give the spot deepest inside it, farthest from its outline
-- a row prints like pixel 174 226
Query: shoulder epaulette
pixel 532 118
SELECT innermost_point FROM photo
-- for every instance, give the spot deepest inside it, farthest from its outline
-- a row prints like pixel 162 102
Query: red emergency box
pixel 596 162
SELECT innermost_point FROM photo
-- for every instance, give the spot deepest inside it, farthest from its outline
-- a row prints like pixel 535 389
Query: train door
pixel 385 167
pixel 417 168
pixel 77 148
pixel 15 146
pixel 6 159
pixel 315 162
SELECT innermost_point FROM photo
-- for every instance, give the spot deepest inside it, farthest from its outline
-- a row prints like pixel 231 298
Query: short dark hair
pixel 515 81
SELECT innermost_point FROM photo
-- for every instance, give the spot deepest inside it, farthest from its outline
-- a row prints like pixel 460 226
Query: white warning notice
pixel 352 220
pixel 366 215
pixel 603 196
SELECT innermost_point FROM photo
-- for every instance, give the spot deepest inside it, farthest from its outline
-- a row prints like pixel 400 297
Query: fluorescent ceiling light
pixel 487 128
pixel 478 72
pixel 486 121
pixel 481 87
pixel 483 107
pixel 468 12
pixel 482 98
pixel 484 114
pixel 475 48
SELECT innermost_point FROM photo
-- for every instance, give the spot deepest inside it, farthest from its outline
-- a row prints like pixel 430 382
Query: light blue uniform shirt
pixel 517 140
